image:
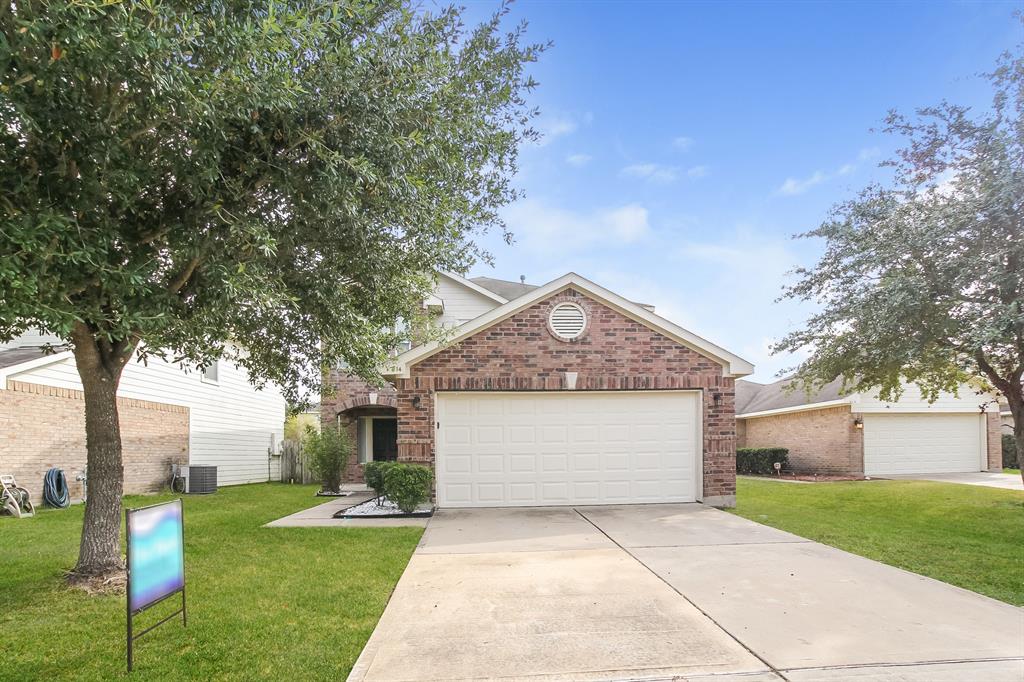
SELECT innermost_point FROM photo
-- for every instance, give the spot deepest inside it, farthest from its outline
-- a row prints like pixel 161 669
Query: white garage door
pixel 922 443
pixel 535 449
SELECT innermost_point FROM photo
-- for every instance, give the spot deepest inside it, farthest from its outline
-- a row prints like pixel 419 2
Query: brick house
pixel 858 434
pixel 565 393
pixel 169 414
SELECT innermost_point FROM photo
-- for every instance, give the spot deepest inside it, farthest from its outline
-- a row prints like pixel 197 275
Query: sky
pixel 685 144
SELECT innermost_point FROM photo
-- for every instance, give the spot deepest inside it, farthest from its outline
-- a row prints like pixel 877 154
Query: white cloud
pixel 578 160
pixel 629 223
pixel 697 172
pixel 553 127
pixel 682 143
pixel 794 186
pixel 538 227
pixel 868 153
pixel 652 172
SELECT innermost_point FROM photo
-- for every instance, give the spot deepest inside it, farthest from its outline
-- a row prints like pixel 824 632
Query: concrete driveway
pixel 672 592
pixel 987 479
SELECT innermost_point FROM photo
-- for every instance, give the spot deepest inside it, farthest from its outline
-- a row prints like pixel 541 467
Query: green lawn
pixel 1015 472
pixel 961 534
pixel 263 603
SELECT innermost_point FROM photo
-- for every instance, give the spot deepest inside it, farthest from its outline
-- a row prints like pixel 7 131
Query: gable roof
pixel 752 397
pixel 503 287
pixel 473 286
pixel 732 365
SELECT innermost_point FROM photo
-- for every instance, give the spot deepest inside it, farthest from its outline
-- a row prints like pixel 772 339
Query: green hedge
pixel 373 474
pixel 407 485
pixel 760 460
pixel 1009 452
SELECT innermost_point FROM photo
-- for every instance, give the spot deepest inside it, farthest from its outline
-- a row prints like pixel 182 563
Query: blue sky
pixel 685 143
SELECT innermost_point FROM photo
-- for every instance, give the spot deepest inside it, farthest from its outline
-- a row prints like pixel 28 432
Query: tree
pixel 267 182
pixel 923 281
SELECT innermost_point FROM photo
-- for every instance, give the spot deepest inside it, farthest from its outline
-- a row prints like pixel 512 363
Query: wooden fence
pixel 294 468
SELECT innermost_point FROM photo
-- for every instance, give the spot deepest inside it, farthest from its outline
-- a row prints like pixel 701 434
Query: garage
pixel 923 443
pixel 504 449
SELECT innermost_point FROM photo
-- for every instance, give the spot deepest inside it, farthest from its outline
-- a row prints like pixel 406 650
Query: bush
pixel 407 485
pixel 373 474
pixel 327 453
pixel 760 460
pixel 1009 452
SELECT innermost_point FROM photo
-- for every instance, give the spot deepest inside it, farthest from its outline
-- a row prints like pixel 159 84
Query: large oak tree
pixel 191 178
pixel 923 281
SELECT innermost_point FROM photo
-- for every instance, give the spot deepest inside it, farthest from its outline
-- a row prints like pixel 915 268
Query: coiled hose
pixel 55 489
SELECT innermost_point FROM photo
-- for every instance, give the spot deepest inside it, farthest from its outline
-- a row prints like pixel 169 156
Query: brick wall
pixel 347 398
pixel 614 353
pixel 821 441
pixel 43 427
pixel 994 435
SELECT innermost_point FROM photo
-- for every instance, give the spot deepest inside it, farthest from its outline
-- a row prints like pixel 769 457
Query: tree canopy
pixel 281 175
pixel 272 181
pixel 922 281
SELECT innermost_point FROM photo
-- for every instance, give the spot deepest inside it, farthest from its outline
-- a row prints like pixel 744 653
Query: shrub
pixel 1009 452
pixel 327 453
pixel 760 460
pixel 373 474
pixel 407 485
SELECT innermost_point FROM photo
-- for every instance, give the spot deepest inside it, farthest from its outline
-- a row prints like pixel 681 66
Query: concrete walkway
pixel 322 515
pixel 672 592
pixel 988 479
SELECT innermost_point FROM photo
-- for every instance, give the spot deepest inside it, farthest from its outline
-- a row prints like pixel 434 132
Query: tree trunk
pixel 100 365
pixel 1018 435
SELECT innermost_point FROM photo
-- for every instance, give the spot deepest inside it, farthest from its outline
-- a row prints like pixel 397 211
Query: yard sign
pixel 156 561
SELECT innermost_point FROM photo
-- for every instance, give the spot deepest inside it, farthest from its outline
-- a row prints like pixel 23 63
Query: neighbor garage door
pixel 531 449
pixel 922 443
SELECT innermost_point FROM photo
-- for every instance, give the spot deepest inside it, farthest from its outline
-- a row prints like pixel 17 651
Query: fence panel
pixel 294 468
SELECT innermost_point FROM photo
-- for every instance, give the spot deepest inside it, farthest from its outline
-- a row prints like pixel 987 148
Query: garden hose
pixel 55 489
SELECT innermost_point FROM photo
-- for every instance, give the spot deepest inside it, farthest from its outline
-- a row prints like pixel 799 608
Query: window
pixel 211 373
pixel 567 321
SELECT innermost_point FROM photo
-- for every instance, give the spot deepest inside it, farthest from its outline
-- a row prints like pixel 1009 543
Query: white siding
pixel 460 302
pixel 911 401
pixel 231 424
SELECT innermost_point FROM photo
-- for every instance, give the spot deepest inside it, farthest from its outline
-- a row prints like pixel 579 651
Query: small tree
pixel 328 452
pixel 924 281
pixel 271 182
pixel 374 474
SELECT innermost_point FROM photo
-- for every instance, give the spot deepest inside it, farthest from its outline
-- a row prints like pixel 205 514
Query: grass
pixel 965 535
pixel 1015 472
pixel 263 603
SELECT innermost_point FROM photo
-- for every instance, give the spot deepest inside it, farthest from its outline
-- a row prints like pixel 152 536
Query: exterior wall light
pixel 859 423
pixel 416 402
pixel 717 399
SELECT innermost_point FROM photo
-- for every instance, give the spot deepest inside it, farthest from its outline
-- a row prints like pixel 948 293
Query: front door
pixel 385 440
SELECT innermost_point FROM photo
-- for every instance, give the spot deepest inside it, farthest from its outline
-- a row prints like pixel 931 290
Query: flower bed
pixel 382 508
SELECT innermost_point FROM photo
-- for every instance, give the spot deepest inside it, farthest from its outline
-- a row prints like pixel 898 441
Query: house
pixel 561 394
pixel 168 414
pixel 857 434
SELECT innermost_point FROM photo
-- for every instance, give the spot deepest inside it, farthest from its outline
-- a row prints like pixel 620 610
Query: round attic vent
pixel 567 321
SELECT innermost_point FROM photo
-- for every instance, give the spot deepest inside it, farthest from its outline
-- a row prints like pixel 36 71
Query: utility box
pixel 202 480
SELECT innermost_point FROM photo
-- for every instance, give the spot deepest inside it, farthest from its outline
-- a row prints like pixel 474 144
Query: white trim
pixel 732 365
pixel 42 361
pixel 469 284
pixel 796 408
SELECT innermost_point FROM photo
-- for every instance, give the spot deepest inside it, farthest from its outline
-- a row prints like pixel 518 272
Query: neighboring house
pixel 561 394
pixel 1005 416
pixel 168 414
pixel 859 435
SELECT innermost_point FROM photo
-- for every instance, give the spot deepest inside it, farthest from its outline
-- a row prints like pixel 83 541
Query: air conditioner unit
pixel 202 480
